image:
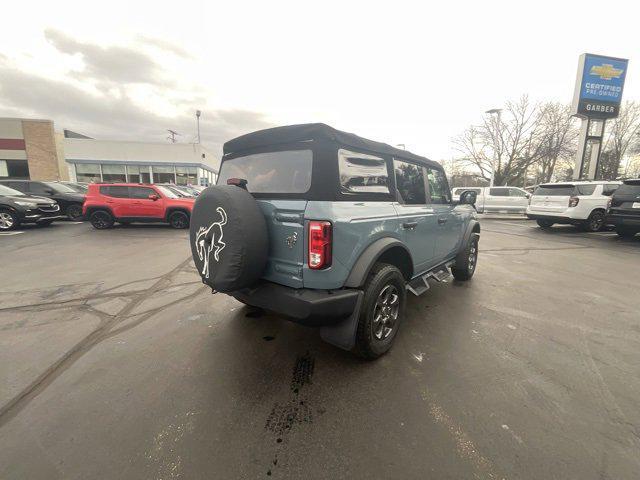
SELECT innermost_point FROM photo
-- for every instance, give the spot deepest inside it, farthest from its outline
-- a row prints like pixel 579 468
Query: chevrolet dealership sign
pixel 599 86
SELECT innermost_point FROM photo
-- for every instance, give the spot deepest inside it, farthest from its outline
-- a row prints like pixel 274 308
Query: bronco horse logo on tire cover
pixel 210 239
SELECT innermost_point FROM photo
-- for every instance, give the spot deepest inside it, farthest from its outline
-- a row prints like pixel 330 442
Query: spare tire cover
pixel 229 239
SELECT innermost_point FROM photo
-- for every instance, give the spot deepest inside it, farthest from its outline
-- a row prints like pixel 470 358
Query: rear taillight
pixel 319 244
pixel 609 204
pixel 573 201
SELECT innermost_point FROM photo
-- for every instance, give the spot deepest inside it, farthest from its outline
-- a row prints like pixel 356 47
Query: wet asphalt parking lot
pixel 115 362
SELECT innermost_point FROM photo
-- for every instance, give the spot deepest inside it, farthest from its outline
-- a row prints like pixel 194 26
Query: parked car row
pixel 591 205
pixel 41 203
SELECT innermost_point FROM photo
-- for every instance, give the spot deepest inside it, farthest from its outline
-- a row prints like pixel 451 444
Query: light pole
pixel 198 113
pixel 498 112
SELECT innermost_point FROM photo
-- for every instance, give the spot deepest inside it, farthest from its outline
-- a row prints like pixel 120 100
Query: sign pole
pixel 589 149
pixel 595 138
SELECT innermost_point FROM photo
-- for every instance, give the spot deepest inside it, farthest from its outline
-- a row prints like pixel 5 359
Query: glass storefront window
pixel 88 172
pixel 163 174
pixel 113 173
pixel 145 174
pixel 133 173
pixel 186 175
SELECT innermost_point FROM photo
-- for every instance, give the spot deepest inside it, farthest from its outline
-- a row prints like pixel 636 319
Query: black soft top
pixel 319 132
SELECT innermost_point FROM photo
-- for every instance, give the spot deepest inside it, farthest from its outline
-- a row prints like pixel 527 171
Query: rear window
pixel 555 190
pixel 273 172
pixel 629 188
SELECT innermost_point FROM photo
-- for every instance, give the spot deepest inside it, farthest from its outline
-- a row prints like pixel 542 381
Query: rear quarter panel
pixel 356 225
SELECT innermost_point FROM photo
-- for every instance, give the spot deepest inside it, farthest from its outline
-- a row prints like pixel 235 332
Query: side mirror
pixel 153 197
pixel 48 191
pixel 468 197
pixel 528 195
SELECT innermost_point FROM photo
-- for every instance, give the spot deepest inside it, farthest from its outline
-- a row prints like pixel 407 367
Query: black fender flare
pixel 95 208
pixel 473 228
pixel 368 259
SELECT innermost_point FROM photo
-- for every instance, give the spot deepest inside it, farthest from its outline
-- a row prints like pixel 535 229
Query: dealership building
pixel 32 149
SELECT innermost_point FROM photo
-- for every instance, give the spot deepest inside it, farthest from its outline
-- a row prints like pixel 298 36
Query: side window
pixel 141 192
pixel 608 189
pixel 362 173
pixel 20 186
pixel 410 183
pixel 586 189
pixel 438 186
pixel 37 187
pixel 499 192
pixel 115 191
pixel 516 192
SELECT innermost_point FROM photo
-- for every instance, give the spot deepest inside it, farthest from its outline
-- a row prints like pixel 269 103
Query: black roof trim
pixel 319 131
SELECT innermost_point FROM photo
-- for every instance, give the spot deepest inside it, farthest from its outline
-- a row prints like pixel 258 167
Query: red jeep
pixel 124 203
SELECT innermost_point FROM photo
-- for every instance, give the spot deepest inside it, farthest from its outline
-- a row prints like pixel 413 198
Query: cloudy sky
pixel 415 73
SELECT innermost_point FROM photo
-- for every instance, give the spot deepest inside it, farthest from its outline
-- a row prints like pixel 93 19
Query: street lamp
pixel 198 113
pixel 498 112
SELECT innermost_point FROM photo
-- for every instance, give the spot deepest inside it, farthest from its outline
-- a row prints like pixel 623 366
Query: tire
pixel 624 233
pixel 595 222
pixel 375 338
pixel 101 220
pixel 74 211
pixel 229 238
pixel 467 268
pixel 8 221
pixel 179 220
pixel 544 223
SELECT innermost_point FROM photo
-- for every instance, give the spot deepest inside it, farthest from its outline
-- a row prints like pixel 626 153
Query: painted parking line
pixel 7 234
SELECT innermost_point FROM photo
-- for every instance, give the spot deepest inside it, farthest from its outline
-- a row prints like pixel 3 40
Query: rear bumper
pixel 553 218
pixel 305 306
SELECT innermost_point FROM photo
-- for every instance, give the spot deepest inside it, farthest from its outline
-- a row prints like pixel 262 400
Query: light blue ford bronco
pixel 329 229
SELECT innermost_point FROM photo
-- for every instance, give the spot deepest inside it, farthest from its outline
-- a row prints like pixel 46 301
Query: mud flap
pixel 343 333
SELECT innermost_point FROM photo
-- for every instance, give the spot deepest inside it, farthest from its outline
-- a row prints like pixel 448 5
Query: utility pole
pixel 172 135
pixel 198 113
pixel 498 112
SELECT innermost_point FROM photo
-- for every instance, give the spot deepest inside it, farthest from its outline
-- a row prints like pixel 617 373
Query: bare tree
pixel 621 136
pixel 507 144
pixel 558 140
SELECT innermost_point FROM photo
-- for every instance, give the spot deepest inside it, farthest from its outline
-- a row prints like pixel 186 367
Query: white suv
pixel 576 203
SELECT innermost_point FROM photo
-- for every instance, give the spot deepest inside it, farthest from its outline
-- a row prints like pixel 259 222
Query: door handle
pixel 409 225
pixel 442 220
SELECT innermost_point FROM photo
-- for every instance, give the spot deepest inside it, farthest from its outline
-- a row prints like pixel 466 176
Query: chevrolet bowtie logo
pixel 606 71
